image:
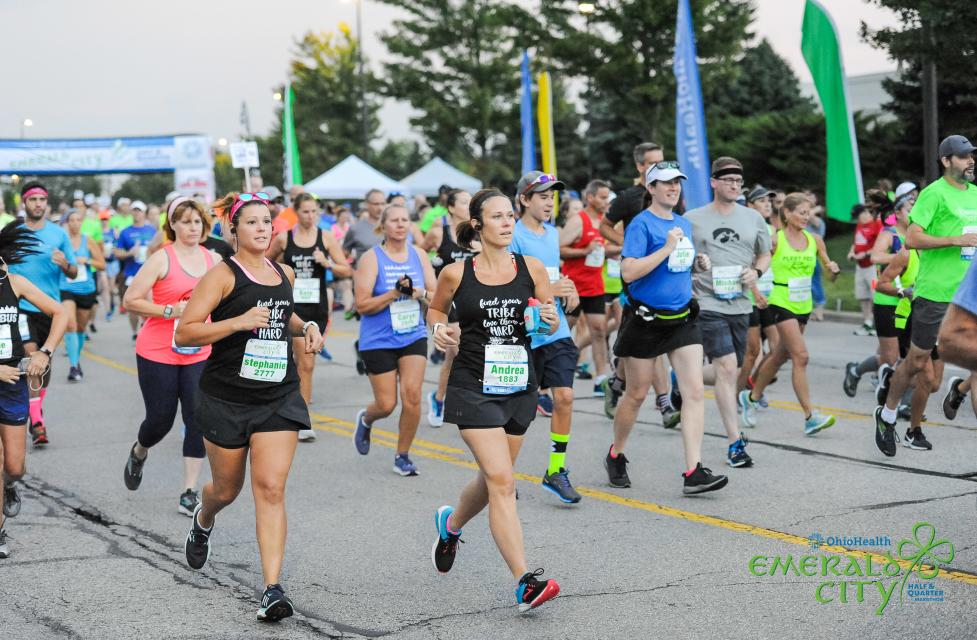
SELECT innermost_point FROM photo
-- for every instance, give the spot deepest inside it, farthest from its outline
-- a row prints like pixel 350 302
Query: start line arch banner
pixel 189 157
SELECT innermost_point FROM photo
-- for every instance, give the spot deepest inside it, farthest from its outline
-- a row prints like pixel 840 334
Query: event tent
pixel 427 179
pixel 351 179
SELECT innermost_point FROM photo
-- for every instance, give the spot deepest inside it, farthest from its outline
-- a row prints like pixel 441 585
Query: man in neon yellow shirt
pixel 435 213
pixel 122 217
pixel 943 229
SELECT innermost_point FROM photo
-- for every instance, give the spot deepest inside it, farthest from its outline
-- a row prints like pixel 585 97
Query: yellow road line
pixel 108 362
pixel 388 434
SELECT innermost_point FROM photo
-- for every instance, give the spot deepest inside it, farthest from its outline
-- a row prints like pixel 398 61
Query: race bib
pixel 306 291
pixel 799 289
pixel 506 369
pixel 6 343
pixel 265 360
pixel 128 280
pixel 405 316
pixel 82 275
pixel 613 268
pixel 595 258
pixel 109 248
pixel 726 282
pixel 683 255
pixel 183 351
pixel 967 253
pixel 553 273
pixel 23 327
pixel 765 283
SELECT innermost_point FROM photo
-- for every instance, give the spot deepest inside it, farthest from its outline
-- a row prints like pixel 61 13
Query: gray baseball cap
pixel 956 146
pixel 538 182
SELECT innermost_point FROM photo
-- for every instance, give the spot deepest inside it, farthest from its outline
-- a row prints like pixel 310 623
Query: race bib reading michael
pixel 506 369
pixel 726 282
pixel 265 360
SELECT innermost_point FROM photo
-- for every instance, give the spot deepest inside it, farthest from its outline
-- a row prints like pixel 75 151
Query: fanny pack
pixel 665 317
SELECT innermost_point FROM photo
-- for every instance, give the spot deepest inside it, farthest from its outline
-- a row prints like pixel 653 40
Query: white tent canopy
pixel 427 179
pixel 352 178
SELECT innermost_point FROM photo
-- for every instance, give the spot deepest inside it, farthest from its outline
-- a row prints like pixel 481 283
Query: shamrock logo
pixel 916 552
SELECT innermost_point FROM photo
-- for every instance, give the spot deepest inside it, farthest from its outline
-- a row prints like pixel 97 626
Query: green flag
pixel 293 167
pixel 822 51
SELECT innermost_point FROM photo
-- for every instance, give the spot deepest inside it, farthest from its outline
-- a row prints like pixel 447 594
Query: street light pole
pixel 588 9
pixel 359 52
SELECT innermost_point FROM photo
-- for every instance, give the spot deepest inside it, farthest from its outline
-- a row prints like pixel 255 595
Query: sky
pixel 122 67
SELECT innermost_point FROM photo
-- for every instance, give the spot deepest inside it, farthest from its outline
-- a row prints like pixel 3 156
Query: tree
pixel 400 158
pixel 60 188
pixel 148 187
pixel 328 112
pixel 762 82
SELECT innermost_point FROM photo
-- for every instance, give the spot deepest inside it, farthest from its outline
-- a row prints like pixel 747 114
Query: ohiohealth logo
pixel 849 576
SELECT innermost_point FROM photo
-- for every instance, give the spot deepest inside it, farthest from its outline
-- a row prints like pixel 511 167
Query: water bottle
pixel 535 325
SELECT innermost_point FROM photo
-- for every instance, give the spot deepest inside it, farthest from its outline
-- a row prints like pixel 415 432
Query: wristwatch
pixel 46 351
pixel 168 312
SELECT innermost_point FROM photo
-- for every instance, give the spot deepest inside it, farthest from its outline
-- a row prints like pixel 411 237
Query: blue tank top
pixel 401 323
pixel 84 282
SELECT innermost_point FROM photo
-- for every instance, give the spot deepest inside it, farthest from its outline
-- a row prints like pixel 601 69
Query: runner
pixel 622 211
pixel 44 269
pixel 168 373
pixel 132 248
pixel 867 229
pixel 738 245
pixel 492 389
pixel 249 400
pixel 795 252
pixel 583 251
pixel 943 228
pixel 16 244
pixel 311 252
pixel 78 294
pixel 656 262
pixel 112 267
pixel 554 355
pixel 958 333
pixel 442 236
pixel 390 283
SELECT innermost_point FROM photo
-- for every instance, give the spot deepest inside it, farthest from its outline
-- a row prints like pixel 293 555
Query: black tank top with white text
pixel 11 342
pixel 311 300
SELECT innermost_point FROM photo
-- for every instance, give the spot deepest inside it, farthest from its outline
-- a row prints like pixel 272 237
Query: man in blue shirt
pixel 957 337
pixel 44 268
pixel 133 249
pixel 554 356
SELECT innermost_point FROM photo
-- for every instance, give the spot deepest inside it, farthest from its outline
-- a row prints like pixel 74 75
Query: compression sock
pixel 70 342
pixel 558 452
pixel 868 365
pixel 35 410
pixel 79 347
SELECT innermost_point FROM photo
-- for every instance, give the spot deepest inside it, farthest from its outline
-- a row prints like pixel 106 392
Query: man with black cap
pixel 943 229
pixel 763 325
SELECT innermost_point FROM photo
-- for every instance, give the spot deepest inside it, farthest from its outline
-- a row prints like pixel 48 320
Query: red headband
pixel 35 191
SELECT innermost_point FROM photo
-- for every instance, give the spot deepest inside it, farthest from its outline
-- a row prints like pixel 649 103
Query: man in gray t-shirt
pixel 738 245
pixel 362 234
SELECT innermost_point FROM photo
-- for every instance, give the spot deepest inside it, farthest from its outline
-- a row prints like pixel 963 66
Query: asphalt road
pixel 93 560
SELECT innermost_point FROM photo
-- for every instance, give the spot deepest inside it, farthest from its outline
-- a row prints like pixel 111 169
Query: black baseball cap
pixel 758 192
pixel 956 145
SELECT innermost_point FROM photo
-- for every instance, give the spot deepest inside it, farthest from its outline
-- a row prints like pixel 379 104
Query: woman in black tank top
pixel 310 252
pixel 442 239
pixel 492 386
pixel 249 392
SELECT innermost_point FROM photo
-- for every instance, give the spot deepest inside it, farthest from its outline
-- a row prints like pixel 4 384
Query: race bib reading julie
pixel 265 360
pixel 405 316
pixel 506 369
pixel 682 256
pixel 306 291
pixel 799 289
pixel 726 282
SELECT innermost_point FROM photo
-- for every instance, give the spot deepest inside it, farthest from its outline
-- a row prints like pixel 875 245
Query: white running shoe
pixel 307 435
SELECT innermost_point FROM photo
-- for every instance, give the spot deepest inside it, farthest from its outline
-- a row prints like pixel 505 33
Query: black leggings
pixel 162 386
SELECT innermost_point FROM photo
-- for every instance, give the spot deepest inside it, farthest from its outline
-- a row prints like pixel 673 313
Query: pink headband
pixel 35 191
pixel 176 202
pixel 240 202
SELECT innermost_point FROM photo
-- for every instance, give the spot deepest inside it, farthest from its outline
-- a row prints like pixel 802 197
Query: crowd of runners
pixel 514 293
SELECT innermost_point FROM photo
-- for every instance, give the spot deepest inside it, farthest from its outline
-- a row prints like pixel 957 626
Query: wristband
pixel 434 331
pixel 305 327
pixel 759 274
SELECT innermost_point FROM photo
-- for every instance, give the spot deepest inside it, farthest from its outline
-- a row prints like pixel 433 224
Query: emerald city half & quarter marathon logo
pixel 867 574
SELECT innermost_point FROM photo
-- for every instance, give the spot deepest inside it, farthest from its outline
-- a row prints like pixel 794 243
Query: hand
pixel 178 308
pixel 673 237
pixel 761 300
pixel 594 244
pixel 8 374
pixel 851 255
pixel 253 318
pixel 57 257
pixel 39 363
pixel 80 259
pixel 313 339
pixel 834 269
pixel 704 262
pixel 564 288
pixel 405 286
pixel 446 337
pixel 749 277
pixel 967 240
pixel 320 257
pixel 548 314
pixel 419 294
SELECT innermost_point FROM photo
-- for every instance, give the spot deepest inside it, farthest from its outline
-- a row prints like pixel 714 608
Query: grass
pixel 843 288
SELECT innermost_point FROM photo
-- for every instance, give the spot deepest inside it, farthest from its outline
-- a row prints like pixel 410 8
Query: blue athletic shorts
pixel 14 402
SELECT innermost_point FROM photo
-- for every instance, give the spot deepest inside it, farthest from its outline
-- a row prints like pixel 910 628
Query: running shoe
pixel 674 395
pixel 197 546
pixel 583 372
pixel 38 434
pixel 613 390
pixel 446 545
pixel 737 456
pixel 189 500
pixel 108 315
pixel 530 592
pixel 404 465
pixel 850 384
pixel 544 405
pixel 11 500
pixel 953 398
pixel 4 549
pixel 748 416
pixel 916 440
pixel 865 330
pixel 905 413
pixel 599 386
pixel 670 417
pixel 437 357
pixel 132 474
pixel 435 412
pixel 701 480
pixel 350 314
pixel 617 470
pixel 361 437
pixel 307 435
pixel 325 355
pixel 74 375
pixel 275 605
pixel 885 377
pixel 885 434
pixel 559 485
pixel 817 422
pixel 762 402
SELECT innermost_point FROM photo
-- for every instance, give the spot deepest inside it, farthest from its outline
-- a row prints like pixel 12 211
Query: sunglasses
pixel 247 198
pixel 668 164
pixel 543 178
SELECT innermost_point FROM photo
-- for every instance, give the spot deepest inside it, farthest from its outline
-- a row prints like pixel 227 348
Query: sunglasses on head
pixel 668 164
pixel 543 178
pixel 246 198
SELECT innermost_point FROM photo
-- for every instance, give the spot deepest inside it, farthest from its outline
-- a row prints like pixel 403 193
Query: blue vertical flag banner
pixel 528 140
pixel 690 120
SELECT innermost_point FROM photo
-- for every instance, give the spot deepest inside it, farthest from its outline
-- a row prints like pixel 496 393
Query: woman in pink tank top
pixel 167 373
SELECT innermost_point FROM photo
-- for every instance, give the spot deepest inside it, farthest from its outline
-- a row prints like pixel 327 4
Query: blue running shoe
pixel 817 422
pixel 361 437
pixel 762 402
pixel 446 546
pixel 404 465
pixel 544 405
pixel 435 412
pixel 559 485
pixel 530 592
pixel 737 455
pixel 325 355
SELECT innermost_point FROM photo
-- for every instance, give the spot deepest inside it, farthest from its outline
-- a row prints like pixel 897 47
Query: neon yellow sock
pixel 558 452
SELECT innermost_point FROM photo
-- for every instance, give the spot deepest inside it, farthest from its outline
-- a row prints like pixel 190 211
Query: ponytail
pixel 17 242
pixel 466 234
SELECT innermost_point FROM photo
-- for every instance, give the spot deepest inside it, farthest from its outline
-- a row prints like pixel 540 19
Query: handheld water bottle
pixel 535 325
